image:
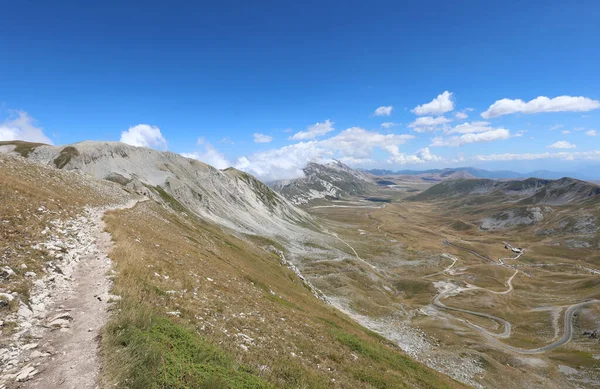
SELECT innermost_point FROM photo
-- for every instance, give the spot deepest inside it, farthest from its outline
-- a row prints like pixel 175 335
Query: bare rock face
pixel 333 179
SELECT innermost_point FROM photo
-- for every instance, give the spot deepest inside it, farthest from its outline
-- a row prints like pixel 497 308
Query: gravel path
pixel 69 312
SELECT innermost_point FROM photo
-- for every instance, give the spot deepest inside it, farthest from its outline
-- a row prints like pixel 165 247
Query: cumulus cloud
pixel 486 136
pixel 441 104
pixel 389 124
pixel 541 104
pixel 462 115
pixel 569 156
pixel 383 111
pixel 470 128
pixel 565 132
pixel 314 131
pixel 20 126
pixel 591 133
pixel 262 138
pixel 209 155
pixel 562 144
pixel 144 135
pixel 429 123
pixel 421 156
pixel 353 145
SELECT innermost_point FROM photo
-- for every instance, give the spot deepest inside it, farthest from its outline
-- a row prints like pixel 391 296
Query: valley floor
pixel 515 319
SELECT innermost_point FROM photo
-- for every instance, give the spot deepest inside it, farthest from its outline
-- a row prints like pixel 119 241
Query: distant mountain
pixel 474 172
pixel 528 191
pixel 333 180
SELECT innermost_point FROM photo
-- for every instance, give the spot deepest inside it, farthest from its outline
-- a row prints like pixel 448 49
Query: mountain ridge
pixel 330 180
pixel 228 197
pixel 476 173
pixel 529 191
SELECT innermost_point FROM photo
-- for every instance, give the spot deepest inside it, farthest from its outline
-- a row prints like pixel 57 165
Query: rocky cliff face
pixel 333 179
pixel 229 197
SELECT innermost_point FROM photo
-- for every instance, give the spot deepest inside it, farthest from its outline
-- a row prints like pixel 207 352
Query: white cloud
pixel 541 104
pixel 556 127
pixel 227 140
pixel 314 131
pixel 591 133
pixel 262 138
pixel 570 156
pixel 562 144
pixel 144 135
pixel 565 132
pixel 353 145
pixel 441 104
pixel 429 123
pixel 383 111
pixel 209 155
pixel 487 136
pixel 20 126
pixel 461 115
pixel 389 124
pixel 421 156
pixel 470 128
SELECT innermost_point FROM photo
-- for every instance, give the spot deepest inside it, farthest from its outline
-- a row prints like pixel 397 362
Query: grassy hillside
pixel 529 191
pixel 204 309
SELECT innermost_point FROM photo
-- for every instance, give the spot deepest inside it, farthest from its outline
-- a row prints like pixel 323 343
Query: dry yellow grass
pixel 238 302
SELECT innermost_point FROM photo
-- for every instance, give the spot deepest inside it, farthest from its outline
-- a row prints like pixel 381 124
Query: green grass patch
pixel 281 301
pixel 170 200
pixel 149 351
pixel 386 367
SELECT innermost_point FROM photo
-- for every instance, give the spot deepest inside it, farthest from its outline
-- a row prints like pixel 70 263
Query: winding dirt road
pixel 568 319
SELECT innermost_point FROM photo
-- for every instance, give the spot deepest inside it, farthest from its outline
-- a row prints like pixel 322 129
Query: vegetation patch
pixel 23 148
pixel 65 156
pixel 151 351
pixel 388 363
pixel 169 200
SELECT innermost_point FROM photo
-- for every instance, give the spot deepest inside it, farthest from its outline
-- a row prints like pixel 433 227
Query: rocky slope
pixel 331 180
pixel 227 197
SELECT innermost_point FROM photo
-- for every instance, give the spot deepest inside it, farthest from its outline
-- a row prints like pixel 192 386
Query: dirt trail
pixel 352 248
pixel 75 363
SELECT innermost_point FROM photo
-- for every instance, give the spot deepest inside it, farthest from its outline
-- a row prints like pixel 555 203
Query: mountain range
pixel 529 191
pixel 471 172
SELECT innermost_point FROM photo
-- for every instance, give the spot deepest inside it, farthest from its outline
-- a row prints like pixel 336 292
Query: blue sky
pixel 203 78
